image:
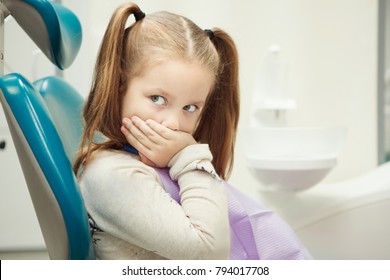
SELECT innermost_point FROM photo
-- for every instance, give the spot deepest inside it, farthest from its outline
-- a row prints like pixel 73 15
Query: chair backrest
pixel 44 121
pixel 46 166
pixel 65 105
pixel 55 29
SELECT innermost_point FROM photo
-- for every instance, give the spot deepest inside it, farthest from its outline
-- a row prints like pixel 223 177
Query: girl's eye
pixel 159 100
pixel 190 108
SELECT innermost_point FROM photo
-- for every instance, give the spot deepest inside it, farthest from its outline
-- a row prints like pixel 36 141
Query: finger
pixel 160 129
pixel 133 141
pixel 147 161
pixel 124 130
pixel 146 129
pixel 130 138
pixel 137 133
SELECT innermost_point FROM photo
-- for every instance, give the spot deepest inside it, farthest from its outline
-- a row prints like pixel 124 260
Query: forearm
pixel 202 195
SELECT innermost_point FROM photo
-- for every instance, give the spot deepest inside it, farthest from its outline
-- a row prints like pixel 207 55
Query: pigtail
pixel 107 87
pixel 218 124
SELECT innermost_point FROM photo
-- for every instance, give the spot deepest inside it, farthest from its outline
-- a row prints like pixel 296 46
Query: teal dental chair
pixel 45 123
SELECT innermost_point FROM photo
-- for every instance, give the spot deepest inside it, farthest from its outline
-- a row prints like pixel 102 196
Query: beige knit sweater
pixel 139 220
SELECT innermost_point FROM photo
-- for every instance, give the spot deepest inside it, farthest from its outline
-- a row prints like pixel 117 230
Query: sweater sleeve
pixel 127 200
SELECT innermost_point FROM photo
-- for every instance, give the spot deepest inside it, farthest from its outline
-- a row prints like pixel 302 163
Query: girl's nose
pixel 171 121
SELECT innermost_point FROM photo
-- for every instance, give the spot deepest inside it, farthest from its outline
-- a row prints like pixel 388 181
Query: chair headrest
pixel 54 28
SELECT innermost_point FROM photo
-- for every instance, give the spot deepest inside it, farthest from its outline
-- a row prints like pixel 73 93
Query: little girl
pixel 160 127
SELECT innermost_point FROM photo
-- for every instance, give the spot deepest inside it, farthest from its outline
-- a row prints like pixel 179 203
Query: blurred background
pixel 337 60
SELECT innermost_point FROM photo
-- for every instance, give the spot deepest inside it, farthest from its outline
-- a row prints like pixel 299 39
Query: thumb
pixel 147 161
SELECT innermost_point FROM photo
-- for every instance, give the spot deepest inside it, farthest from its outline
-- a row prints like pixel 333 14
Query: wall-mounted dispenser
pixel 270 98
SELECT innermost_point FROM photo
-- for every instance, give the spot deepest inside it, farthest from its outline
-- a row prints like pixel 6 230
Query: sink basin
pixel 292 159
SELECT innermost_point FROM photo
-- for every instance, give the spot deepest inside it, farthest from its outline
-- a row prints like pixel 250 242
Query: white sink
pixel 292 159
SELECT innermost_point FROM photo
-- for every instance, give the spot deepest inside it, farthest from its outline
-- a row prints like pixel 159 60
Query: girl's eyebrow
pixel 160 91
pixel 165 93
pixel 199 103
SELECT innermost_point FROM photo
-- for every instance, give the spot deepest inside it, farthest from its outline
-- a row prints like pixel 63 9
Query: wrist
pixel 191 158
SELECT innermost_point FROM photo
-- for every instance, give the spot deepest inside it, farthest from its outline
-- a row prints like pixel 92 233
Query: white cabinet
pixel 19 228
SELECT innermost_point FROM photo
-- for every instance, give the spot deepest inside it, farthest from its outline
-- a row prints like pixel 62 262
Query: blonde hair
pixel 126 51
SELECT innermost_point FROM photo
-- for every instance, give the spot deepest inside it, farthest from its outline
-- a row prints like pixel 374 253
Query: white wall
pixel 331 46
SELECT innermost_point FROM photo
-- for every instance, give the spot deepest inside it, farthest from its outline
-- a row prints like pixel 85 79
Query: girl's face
pixel 172 93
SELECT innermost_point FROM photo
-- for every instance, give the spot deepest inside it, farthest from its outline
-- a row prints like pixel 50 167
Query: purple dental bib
pixel 255 232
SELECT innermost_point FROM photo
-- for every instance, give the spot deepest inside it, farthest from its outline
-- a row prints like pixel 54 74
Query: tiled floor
pixel 24 255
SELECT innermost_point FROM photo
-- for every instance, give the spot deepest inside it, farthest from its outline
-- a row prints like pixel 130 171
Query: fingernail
pixel 126 121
